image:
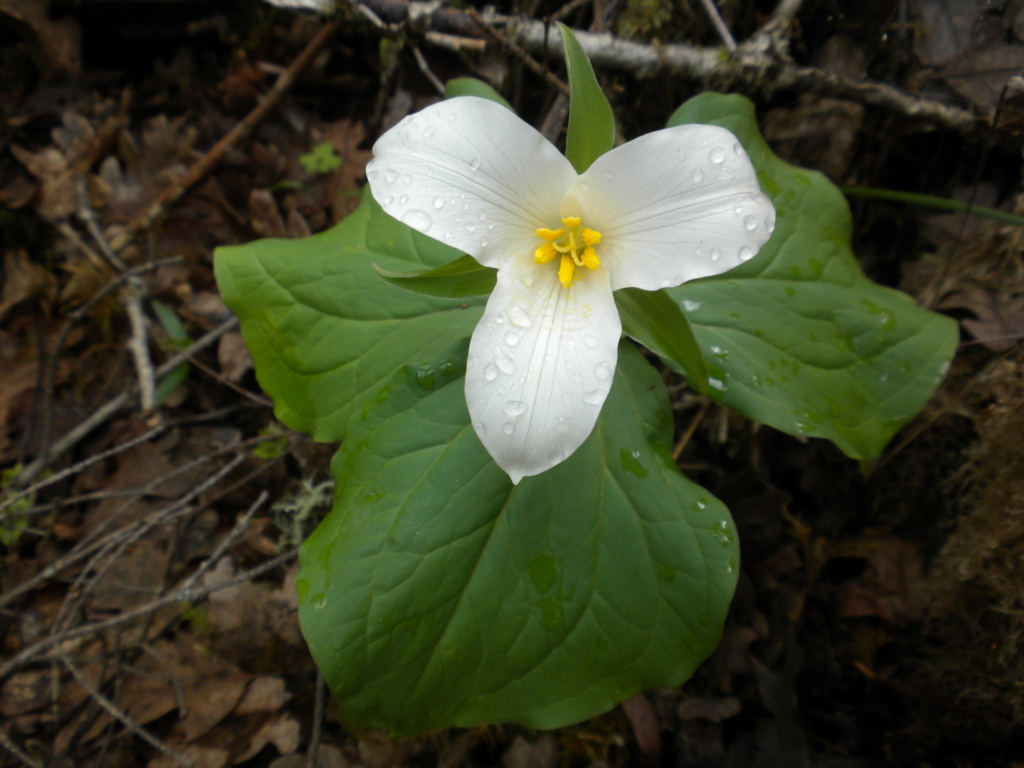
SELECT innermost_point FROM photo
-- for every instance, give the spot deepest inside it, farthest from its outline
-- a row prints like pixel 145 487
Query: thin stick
pixel 313 760
pixel 719 24
pixel 281 86
pixel 138 343
pixel 178 596
pixel 425 69
pixel 229 540
pixel 117 713
pixel 516 51
pixel 7 743
pixel 688 434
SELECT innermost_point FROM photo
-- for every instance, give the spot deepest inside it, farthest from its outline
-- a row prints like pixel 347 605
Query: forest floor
pixel 147 601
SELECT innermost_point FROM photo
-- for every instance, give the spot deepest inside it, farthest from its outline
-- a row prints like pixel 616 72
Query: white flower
pixel 668 207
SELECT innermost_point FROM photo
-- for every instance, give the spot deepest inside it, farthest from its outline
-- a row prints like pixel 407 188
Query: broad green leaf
pixel 591 130
pixel 657 322
pixel 798 337
pixel 170 382
pixel 470 86
pixel 324 331
pixel 457 280
pixel 436 593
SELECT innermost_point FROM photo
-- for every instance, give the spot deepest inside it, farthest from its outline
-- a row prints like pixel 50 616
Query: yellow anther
pixel 590 258
pixel 571 221
pixel 565 271
pixel 545 253
pixel 590 237
pixel 550 234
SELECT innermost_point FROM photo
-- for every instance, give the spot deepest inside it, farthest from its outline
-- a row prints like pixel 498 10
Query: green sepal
pixel 455 280
pixel 470 86
pixel 591 130
pixel 657 322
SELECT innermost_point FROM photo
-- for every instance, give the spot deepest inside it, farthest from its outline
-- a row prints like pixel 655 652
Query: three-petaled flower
pixel 665 208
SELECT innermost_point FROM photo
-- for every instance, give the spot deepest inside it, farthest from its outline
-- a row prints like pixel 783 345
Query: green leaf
pixel 324 331
pixel 591 130
pixel 170 382
pixel 171 324
pixel 459 279
pixel 798 337
pixel 323 159
pixel 470 86
pixel 655 320
pixel 436 593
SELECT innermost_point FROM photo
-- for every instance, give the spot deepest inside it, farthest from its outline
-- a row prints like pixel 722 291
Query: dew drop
pixel 418 220
pixel 391 175
pixel 439 202
pixel 717 384
pixel 737 149
pixel 716 254
pixel 716 155
pixel 508 428
pixel 403 200
pixel 666 283
pixel 769 224
pixel 491 372
pixel 511 339
pixel 746 253
pixel 499 319
pixel 517 315
pixel 470 227
pixel 750 222
pixel 515 407
pixel 407 179
pixel 474 164
pixel 527 280
pixel 389 200
pixel 596 397
pixel 490 225
pixel 429 131
pixel 738 210
pixel 504 362
pixel 454 118
pixel 591 342
pixel 584 185
pixel 481 215
pixel 602 371
pixel 447 235
pixel 483 242
pixel 577 379
pixel 691 306
pixel 480 427
pixel 698 176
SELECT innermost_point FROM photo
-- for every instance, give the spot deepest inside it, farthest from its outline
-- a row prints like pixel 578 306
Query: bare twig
pixel 118 714
pixel 229 540
pixel 318 718
pixel 425 69
pixel 221 148
pixel 519 53
pixel 7 743
pixel 688 434
pixel 786 9
pixel 719 24
pixel 178 596
pixel 138 343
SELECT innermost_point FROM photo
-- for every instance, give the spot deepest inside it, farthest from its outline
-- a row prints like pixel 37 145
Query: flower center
pixel 574 243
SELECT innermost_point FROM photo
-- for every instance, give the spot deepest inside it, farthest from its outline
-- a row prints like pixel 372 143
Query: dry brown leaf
pixel 715 710
pixel 1000 323
pixel 264 215
pixel 346 136
pixel 210 701
pixel 283 732
pixel 264 694
pixel 24 279
pixel 893 587
pixel 542 753
pixel 329 757
pixel 24 692
pixel 59 41
pixel 202 757
pixel 646 730
pixel 233 357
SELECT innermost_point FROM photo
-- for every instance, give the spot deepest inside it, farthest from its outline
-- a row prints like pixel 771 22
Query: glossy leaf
pixel 436 593
pixel 456 280
pixel 323 329
pixel 657 322
pixel 470 86
pixel 591 130
pixel 798 337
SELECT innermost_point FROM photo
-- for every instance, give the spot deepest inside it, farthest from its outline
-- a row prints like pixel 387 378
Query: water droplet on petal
pixel 403 200
pixel 490 373
pixel 527 280
pixel 474 164
pixel 591 342
pixel 577 379
pixel 391 175
pixel 716 155
pixel 389 200
pixel 738 210
pixel 511 339
pixel 499 319
pixel 407 179
pixel 470 227
pixel 439 202
pixel 736 148
pixel 508 428
pixel 504 362
pixel 716 254
pixel 429 131
pixel 666 283
pixel 490 225
pixel 602 371
pixel 515 407
pixel 483 242
pixel 453 117
pixel 746 253
pixel 596 397
pixel 584 185
pixel 750 222
pixel 698 176
pixel 517 315
pixel 769 224
pixel 480 427
pixel 418 220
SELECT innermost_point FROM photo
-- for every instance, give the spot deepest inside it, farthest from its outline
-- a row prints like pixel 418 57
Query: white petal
pixel 471 174
pixel 541 363
pixel 672 206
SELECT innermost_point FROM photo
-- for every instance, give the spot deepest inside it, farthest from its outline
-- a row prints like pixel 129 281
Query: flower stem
pixel 934 202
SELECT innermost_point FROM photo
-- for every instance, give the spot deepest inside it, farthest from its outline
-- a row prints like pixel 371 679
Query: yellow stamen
pixel 571 221
pixel 590 237
pixel 545 253
pixel 590 259
pixel 549 234
pixel 565 271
